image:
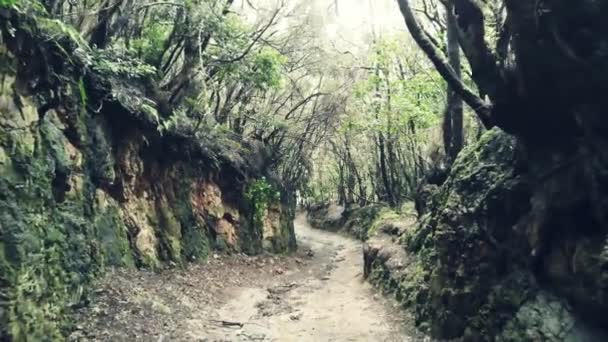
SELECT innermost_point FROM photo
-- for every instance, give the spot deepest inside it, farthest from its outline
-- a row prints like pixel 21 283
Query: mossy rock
pixel 478 239
pixel 359 221
pixel 101 150
pixel 547 318
pixel 195 245
pixel 170 231
pixel 112 232
pixel 465 238
pixel 67 208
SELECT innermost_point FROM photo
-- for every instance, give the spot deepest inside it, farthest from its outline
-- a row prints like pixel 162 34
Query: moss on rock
pixel 49 249
pixel 112 231
pixel 83 190
pixel 473 272
pixel 456 280
pixel 170 230
pixel 544 318
pixel 194 232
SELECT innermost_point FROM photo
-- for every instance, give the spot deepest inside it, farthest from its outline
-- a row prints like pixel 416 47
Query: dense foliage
pixel 354 127
pixel 215 66
pixel 389 135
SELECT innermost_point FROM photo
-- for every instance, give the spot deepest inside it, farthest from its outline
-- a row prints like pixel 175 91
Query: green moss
pixel 112 235
pixel 49 252
pixel 56 142
pixel 195 241
pixel 170 231
pixel 544 318
pixel 7 169
pixel 384 216
pixel 149 261
pixel 220 244
pixel 51 258
pixel 463 240
pixel 287 234
pixel 101 150
pixel 359 221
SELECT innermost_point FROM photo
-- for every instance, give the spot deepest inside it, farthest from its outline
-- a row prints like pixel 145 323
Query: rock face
pixel 326 216
pixel 88 181
pixel 469 228
pixel 359 222
pixel 487 262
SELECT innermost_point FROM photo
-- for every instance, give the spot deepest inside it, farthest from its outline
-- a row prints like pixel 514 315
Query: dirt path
pixel 330 303
pixel 317 295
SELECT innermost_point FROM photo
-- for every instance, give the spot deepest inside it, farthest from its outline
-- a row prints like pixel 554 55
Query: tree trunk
pixel 452 120
pixel 101 33
pixel 384 171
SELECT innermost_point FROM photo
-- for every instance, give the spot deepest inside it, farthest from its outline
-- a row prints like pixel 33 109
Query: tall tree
pixel 453 135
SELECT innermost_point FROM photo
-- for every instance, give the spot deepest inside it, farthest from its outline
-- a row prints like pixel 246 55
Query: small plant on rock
pixel 260 194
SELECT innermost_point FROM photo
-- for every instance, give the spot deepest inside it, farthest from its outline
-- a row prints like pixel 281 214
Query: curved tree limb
pixel 471 35
pixel 481 107
pixel 255 40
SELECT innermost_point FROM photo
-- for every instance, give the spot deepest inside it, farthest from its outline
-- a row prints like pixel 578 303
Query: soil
pixel 316 294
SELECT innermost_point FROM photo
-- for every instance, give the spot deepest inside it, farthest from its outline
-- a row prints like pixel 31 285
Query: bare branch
pixel 252 44
pixel 159 3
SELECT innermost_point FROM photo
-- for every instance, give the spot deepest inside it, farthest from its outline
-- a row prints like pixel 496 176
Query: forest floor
pixel 316 294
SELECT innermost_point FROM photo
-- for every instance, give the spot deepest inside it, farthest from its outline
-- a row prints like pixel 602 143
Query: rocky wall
pixel 478 266
pixel 89 181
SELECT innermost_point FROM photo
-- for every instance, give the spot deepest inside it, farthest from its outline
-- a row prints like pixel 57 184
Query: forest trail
pixel 316 295
pixel 330 302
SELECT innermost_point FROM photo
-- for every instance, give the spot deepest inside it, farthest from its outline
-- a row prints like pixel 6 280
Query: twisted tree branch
pixel 471 35
pixel 481 107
